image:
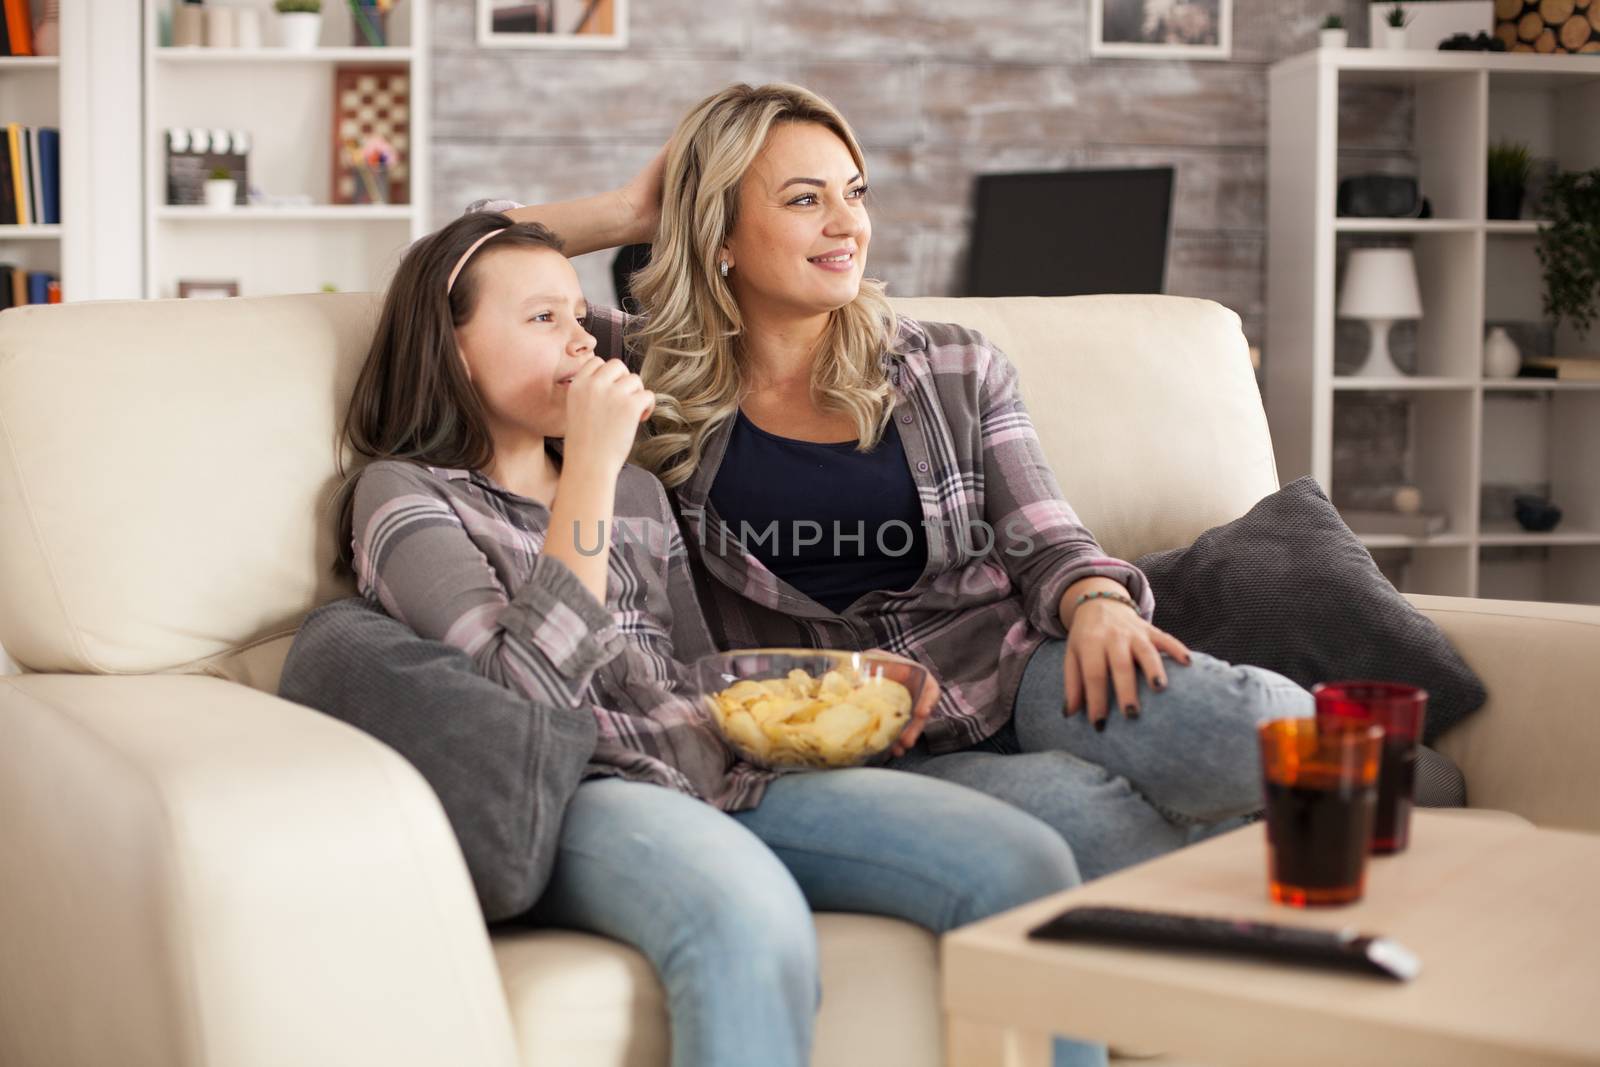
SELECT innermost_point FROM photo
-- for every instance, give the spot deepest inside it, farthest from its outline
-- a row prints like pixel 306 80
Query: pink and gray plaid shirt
pixel 984 602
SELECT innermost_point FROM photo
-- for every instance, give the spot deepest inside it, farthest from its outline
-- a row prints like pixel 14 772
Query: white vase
pixel 247 28
pixel 188 26
pixel 47 35
pixel 221 193
pixel 220 28
pixel 1335 38
pixel 299 31
pixel 1394 37
pixel 1501 357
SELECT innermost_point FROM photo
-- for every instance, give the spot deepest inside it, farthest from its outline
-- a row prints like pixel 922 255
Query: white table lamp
pixel 1380 285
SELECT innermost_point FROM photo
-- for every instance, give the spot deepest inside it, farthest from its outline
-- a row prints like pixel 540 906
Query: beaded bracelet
pixel 1120 598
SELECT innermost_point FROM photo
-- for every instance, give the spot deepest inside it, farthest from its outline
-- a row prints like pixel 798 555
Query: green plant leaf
pixel 1569 248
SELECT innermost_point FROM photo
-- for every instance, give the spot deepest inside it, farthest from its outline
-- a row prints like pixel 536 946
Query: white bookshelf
pixel 1465 432
pixel 89 92
pixel 284 100
pixel 30 94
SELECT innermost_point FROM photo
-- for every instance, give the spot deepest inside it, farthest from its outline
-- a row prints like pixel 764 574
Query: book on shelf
pixel 19 174
pixel 30 176
pixel 8 191
pixel 19 286
pixel 30 143
pixel 1406 524
pixel 50 173
pixel 1567 369
pixel 18 28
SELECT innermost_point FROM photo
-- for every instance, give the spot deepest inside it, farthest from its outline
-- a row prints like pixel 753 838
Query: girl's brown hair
pixel 413 399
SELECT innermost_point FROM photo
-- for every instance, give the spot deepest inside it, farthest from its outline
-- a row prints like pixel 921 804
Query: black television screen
pixel 1062 233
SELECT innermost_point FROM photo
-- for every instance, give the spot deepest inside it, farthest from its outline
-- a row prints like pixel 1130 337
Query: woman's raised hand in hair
pixel 605 405
pixel 642 198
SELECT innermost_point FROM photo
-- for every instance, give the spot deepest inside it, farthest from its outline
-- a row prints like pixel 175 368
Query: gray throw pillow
pixel 1288 587
pixel 503 767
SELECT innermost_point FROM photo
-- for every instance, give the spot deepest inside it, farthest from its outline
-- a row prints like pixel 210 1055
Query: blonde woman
pixel 850 479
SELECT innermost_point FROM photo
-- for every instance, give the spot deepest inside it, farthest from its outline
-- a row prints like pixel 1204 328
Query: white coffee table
pixel 1505 918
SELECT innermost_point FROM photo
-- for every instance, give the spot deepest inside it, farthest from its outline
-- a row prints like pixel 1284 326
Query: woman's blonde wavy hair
pixel 691 327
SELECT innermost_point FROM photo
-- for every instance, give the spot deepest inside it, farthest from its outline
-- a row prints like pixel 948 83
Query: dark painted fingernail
pixel 1159 684
pixel 1131 711
pixel 1100 725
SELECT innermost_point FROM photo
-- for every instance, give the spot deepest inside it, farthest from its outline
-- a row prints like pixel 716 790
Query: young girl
pixel 498 514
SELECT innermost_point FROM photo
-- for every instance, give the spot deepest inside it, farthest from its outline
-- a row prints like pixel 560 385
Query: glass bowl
pixel 850 708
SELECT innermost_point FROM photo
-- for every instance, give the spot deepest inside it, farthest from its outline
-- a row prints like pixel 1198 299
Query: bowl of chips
pixel 800 707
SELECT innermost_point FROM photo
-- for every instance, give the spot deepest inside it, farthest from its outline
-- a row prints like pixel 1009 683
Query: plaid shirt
pixel 983 604
pixel 458 559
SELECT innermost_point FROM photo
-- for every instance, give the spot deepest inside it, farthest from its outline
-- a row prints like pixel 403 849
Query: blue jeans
pixel 721 905
pixel 1188 766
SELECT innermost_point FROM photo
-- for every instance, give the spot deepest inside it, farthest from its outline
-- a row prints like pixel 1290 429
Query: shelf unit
pixel 90 93
pixel 284 100
pixel 30 95
pixel 1469 441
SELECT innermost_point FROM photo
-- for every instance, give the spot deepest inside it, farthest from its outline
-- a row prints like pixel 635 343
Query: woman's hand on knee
pixel 1107 646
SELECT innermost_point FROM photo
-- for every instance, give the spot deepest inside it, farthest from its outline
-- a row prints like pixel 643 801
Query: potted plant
pixel 1395 21
pixel 1334 35
pixel 1510 164
pixel 221 190
pixel 1569 247
pixel 299 24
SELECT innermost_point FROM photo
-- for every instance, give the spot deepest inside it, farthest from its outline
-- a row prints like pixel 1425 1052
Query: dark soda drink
pixel 1318 831
pixel 1397 777
pixel 1400 709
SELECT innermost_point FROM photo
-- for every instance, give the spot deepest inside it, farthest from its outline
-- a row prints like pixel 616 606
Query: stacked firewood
pixel 1548 25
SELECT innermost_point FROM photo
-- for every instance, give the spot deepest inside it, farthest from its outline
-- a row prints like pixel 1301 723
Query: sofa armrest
pixel 193 872
pixel 1534 747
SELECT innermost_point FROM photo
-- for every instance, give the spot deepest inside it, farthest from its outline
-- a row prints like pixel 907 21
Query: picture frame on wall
pixel 1161 29
pixel 552 23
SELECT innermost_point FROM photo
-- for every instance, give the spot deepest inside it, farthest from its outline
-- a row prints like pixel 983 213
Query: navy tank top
pixel 832 522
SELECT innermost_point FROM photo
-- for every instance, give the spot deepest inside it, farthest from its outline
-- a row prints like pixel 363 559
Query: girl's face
pixel 525 340
pixel 800 242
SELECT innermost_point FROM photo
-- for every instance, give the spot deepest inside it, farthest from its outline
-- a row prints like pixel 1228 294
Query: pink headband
pixel 462 262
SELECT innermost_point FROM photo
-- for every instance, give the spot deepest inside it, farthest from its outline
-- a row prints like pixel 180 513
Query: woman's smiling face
pixel 799 244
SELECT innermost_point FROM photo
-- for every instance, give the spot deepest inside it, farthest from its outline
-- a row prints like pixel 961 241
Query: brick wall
pixel 938 91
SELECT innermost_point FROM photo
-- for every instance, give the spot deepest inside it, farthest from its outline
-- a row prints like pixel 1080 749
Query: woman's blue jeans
pixel 721 905
pixel 1188 766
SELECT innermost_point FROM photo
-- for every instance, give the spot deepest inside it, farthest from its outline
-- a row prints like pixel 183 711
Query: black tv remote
pixel 1292 944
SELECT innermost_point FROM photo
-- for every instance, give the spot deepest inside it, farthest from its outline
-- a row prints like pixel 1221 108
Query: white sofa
pixel 194 872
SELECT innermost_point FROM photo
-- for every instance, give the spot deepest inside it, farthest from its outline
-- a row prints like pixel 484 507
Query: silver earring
pixel 723 267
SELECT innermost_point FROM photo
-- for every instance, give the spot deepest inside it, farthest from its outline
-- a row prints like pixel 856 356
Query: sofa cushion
pixel 578 998
pixel 1290 588
pixel 165 473
pixel 1146 407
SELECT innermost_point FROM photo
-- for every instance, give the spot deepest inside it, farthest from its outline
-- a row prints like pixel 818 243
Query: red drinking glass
pixel 1400 710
